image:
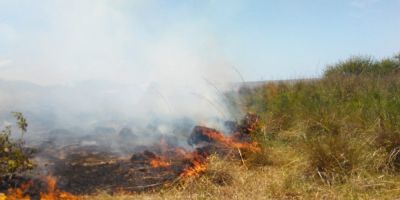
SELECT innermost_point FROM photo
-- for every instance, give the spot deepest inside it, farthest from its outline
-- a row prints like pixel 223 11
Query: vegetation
pixel 337 137
pixel 14 158
pixel 345 125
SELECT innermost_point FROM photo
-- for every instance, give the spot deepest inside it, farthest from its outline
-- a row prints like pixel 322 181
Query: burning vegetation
pixel 43 189
pixel 80 170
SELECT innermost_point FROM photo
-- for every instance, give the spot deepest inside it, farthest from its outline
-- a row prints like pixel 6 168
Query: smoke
pixel 109 63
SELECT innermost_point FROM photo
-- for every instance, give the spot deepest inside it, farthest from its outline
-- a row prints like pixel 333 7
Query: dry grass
pixel 332 138
pixel 284 179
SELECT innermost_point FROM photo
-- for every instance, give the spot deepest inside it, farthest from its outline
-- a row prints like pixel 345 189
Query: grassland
pixel 337 137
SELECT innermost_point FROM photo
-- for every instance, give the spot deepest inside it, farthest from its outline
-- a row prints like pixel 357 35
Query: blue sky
pixel 61 42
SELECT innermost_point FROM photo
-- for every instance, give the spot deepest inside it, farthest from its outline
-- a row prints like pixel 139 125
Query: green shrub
pixel 14 158
pixel 347 121
pixel 364 66
pixel 352 66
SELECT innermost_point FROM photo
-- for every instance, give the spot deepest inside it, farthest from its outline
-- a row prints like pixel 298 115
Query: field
pixel 337 137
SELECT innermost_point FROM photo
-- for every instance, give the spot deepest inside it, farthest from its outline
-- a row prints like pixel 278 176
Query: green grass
pixel 337 137
pixel 347 123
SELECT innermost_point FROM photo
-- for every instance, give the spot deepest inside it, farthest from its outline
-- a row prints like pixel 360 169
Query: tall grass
pixel 346 123
pixel 342 130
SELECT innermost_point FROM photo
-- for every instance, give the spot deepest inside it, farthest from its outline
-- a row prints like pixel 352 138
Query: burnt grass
pixel 129 175
pixel 90 172
pixel 84 170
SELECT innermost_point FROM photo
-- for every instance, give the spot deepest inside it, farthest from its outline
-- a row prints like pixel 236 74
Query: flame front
pixel 18 193
pixel 52 192
pixel 197 168
pixel 230 142
pixel 145 170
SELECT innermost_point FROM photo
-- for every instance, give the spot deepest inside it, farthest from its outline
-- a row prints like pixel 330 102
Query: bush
pixel 14 158
pixel 365 66
pixel 352 66
pixel 346 122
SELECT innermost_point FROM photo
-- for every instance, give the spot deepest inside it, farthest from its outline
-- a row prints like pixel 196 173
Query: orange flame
pixel 199 166
pixel 159 162
pixel 196 169
pixel 18 193
pixel 230 142
pixel 52 192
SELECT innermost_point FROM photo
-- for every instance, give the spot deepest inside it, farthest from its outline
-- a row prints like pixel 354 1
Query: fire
pixel 155 166
pixel 198 167
pixel 18 193
pixel 230 142
pixel 52 192
pixel 159 162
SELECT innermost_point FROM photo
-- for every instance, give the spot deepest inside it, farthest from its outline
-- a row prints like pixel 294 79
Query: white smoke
pixel 110 61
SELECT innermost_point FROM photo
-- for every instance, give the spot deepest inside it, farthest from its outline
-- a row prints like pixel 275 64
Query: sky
pixel 50 42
